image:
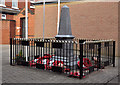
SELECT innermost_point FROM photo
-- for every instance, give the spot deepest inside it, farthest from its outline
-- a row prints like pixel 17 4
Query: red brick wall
pixel 21 4
pixel 50 21
pixel 93 20
pixel 0 15
pixel 5 32
pixel 12 29
pixel 8 27
pixel 8 4
pixel 30 24
pixel 9 17
pixel 5 29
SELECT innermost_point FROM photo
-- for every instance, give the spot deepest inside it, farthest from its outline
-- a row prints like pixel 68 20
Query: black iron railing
pixel 76 58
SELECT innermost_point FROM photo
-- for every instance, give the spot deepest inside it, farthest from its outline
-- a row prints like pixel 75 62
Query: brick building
pixel 92 20
pixel 12 18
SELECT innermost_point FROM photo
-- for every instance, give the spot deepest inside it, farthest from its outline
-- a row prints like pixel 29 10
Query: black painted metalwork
pixel 76 58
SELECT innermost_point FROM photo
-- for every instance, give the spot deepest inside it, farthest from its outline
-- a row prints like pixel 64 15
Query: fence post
pixel 113 53
pixel 108 54
pixel 81 59
pixel 99 55
pixel 10 51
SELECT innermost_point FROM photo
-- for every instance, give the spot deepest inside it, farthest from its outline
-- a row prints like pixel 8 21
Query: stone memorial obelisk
pixel 65 33
pixel 65 25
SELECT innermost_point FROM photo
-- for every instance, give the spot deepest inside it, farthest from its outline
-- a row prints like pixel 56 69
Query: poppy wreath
pixel 86 62
pixel 58 63
pixel 76 74
pixel 46 63
pixel 47 56
pixel 61 64
pixel 39 60
pixel 96 63
pixel 32 63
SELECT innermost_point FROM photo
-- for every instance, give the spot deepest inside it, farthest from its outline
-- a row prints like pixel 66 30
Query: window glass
pixel 15 3
pixel 2 2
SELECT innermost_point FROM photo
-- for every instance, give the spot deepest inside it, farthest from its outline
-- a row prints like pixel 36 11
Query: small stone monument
pixel 65 25
pixel 65 33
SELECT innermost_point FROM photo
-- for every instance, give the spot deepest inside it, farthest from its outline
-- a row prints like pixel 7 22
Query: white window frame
pixel 2 3
pixel 32 7
pixel 32 1
pixel 3 17
pixel 13 2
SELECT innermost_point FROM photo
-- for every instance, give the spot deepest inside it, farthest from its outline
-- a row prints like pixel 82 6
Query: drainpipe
pixel 26 25
pixel 58 16
pixel 43 18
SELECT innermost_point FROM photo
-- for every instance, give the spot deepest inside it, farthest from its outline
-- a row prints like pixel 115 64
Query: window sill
pixel 3 18
pixel 32 1
pixel 32 7
pixel 15 7
pixel 1 5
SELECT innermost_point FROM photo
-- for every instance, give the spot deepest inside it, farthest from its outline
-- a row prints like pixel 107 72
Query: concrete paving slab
pixel 22 74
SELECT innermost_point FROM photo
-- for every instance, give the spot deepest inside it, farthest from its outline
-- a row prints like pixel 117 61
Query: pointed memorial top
pixel 65 6
pixel 65 24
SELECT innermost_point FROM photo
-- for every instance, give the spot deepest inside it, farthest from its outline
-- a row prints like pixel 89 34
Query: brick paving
pixel 22 74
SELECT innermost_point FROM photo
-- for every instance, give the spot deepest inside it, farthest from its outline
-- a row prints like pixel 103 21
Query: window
pixel 3 16
pixel 31 4
pixel 2 2
pixel 15 4
pixel 32 0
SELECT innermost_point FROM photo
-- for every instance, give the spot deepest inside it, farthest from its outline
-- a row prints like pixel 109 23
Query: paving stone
pixel 22 74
